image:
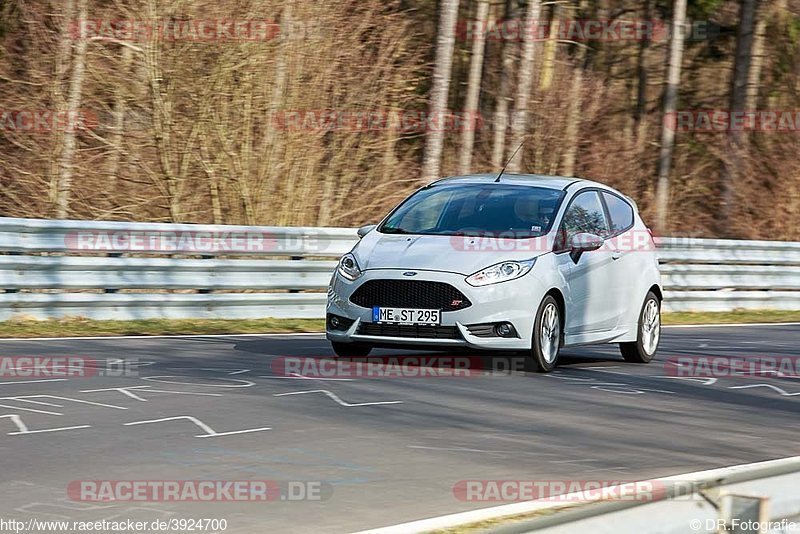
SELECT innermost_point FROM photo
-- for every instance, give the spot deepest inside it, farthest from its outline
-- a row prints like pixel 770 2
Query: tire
pixel 648 334
pixel 546 343
pixel 351 350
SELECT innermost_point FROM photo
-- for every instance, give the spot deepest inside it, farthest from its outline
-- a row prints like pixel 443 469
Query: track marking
pixel 210 432
pixel 770 386
pixel 296 376
pixel 242 383
pixel 23 428
pixel 33 381
pixel 705 381
pixel 29 410
pixel 134 396
pixel 22 398
pixel 337 399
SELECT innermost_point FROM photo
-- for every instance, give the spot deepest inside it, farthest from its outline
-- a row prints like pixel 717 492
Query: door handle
pixel 617 254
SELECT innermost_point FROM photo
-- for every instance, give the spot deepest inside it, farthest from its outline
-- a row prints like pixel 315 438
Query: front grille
pixel 402 330
pixel 410 294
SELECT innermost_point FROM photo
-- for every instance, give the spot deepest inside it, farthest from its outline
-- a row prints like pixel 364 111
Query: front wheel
pixel 649 333
pixel 351 350
pixel 546 336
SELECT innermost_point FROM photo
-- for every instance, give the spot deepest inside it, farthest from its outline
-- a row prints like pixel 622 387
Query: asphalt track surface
pixel 389 449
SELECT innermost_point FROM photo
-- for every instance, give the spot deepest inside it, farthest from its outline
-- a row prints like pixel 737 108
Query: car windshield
pixel 481 209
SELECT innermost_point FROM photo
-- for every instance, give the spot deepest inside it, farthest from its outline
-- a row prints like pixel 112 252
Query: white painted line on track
pixel 296 376
pixel 22 398
pixel 337 399
pixel 210 432
pixel 239 383
pixel 770 386
pixel 30 410
pixel 23 428
pixel 125 391
pixel 33 381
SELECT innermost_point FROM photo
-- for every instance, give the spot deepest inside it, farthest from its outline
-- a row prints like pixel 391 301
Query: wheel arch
pixel 656 289
pixel 562 308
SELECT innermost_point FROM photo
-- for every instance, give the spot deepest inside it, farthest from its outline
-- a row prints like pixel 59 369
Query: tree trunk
pixel 549 63
pixel 70 139
pixel 474 88
pixel 754 76
pixel 670 103
pixel 524 83
pixel 503 101
pixel 574 114
pixel 640 113
pixel 434 143
pixel 738 101
pixel 118 117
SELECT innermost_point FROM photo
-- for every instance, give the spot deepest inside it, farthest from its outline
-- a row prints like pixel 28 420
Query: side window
pixel 585 214
pixel 621 213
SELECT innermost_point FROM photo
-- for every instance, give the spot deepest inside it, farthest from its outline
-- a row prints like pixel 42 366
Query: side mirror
pixel 583 242
pixel 364 230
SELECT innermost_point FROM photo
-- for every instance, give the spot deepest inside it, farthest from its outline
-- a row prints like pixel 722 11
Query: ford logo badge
pixel 410 273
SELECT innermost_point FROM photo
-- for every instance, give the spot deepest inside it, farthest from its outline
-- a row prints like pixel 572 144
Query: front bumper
pixel 515 301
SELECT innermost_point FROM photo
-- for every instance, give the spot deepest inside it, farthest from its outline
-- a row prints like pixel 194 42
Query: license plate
pixel 406 316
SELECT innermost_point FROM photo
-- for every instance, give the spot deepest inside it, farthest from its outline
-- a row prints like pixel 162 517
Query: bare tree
pixel 503 100
pixel 474 87
pixel 738 101
pixel 548 64
pixel 519 121
pixel 70 139
pixel 573 114
pixel 754 77
pixel 440 90
pixel 670 104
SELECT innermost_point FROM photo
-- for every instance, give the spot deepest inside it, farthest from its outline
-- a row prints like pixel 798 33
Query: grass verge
pixel 734 317
pixel 153 327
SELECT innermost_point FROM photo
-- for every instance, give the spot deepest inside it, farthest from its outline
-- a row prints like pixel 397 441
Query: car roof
pixel 537 180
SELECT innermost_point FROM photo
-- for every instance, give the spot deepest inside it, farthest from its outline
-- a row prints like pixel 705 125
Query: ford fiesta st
pixel 516 263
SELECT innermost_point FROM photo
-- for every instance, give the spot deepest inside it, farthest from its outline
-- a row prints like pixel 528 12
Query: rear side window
pixel 621 213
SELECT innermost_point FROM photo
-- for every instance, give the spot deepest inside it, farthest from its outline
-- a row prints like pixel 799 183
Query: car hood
pixel 455 254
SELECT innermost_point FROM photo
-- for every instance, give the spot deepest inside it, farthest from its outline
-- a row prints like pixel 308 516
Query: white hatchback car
pixel 517 263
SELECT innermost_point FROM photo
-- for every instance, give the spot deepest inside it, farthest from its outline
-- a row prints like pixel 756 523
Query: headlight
pixel 348 267
pixel 502 272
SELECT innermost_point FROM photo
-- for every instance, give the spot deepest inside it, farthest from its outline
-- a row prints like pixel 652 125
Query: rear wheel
pixel 649 333
pixel 546 336
pixel 351 350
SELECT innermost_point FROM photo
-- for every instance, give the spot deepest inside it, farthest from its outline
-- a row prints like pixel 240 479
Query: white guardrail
pixel 763 497
pixel 120 270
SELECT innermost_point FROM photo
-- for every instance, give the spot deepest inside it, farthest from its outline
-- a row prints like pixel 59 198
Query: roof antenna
pixel 509 161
